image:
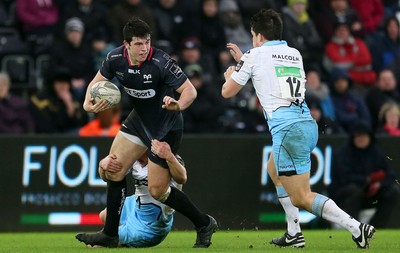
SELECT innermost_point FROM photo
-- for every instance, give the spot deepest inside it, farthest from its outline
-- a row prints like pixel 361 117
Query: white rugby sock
pixel 292 216
pixel 292 212
pixel 333 213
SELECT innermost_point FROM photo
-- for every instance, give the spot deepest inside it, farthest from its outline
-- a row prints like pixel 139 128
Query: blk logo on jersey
pixel 134 71
pixel 144 94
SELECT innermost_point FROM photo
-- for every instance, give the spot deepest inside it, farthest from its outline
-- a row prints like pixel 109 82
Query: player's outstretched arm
pixel 88 104
pixel 235 51
pixel 163 150
pixel 188 95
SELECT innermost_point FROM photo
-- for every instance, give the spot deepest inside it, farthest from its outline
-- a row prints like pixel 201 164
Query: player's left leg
pixel 293 236
pixel 127 151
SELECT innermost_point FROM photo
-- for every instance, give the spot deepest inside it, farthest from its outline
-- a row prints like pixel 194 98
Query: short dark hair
pixel 267 22
pixel 136 27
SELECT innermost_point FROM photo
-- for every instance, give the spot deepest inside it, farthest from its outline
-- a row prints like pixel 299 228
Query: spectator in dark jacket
pixel 203 115
pixel 74 54
pixel 385 90
pixel 326 125
pixel 299 31
pixel 338 11
pixel 54 109
pixel 93 15
pixel 211 32
pixel 362 177
pixel 349 106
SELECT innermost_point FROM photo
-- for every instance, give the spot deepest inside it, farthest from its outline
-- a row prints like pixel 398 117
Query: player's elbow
pixel 180 178
pixel 194 93
pixel 226 94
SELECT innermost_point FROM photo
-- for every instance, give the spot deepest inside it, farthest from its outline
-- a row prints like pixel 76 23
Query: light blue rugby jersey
pixel 278 77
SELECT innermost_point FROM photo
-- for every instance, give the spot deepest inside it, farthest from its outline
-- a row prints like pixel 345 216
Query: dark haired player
pixel 277 73
pixel 151 78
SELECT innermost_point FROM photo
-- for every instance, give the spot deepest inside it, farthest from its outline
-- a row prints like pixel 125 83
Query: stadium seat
pixel 20 67
pixel 11 42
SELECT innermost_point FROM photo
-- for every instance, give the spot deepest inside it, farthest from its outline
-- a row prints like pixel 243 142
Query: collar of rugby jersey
pixel 274 42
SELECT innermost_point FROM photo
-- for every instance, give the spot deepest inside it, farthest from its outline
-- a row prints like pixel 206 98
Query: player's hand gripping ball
pixel 106 90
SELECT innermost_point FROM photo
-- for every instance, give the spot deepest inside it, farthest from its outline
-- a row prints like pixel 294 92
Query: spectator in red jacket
pixel 346 52
pixel 370 11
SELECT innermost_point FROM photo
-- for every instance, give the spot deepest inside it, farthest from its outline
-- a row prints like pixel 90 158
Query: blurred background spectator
pixel 211 34
pixel 319 91
pixel 203 115
pixel 191 54
pixel 100 46
pixel 14 111
pixel 93 15
pixel 232 21
pixel 370 12
pixel 73 53
pixel 386 45
pixel 299 31
pixel 350 107
pixel 362 178
pixel 351 54
pixel 389 118
pixel 174 21
pixel 38 20
pixel 326 126
pixel 385 90
pixel 391 8
pixel 337 11
pixel 105 123
pixel 54 109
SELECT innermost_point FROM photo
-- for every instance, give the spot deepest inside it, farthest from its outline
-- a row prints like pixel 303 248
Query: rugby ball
pixel 106 90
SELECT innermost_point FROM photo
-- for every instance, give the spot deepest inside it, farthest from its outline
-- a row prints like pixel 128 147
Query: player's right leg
pixel 159 188
pixel 127 148
pixel 293 147
pixel 299 191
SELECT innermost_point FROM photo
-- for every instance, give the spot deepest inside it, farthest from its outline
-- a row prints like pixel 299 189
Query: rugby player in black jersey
pixel 151 78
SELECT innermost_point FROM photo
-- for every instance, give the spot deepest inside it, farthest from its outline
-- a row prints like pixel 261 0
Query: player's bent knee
pixel 159 193
pixel 297 202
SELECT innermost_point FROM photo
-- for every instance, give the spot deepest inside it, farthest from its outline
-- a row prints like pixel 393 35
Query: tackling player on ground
pixel 145 222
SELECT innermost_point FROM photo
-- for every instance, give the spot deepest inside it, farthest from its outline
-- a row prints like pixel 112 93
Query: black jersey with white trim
pixel 147 84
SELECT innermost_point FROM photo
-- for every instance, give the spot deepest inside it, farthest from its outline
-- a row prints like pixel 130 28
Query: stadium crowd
pixel 51 49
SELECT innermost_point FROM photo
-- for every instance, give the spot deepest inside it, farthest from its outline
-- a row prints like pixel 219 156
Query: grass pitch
pixel 331 241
